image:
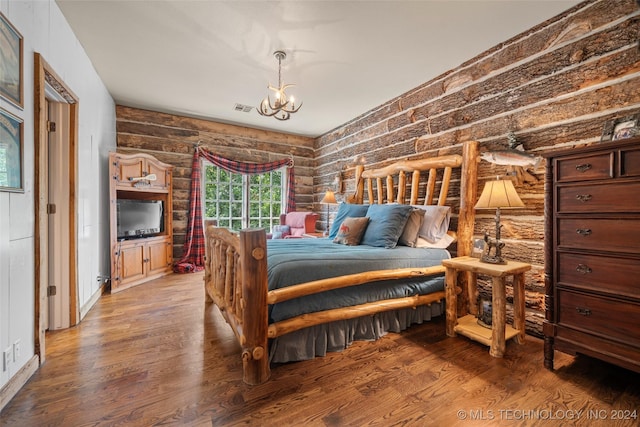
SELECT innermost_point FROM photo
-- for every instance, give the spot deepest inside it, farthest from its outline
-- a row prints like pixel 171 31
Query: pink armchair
pixel 295 224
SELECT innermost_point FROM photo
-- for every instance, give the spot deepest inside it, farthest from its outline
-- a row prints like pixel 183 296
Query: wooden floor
pixel 158 355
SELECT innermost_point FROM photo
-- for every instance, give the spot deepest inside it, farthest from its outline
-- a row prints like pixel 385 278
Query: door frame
pixel 44 73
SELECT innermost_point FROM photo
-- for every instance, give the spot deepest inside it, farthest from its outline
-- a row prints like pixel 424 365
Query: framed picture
pixel 10 63
pixel 621 128
pixel 11 130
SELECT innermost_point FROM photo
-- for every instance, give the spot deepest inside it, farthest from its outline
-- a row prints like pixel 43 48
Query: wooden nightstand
pixel 314 235
pixel 468 326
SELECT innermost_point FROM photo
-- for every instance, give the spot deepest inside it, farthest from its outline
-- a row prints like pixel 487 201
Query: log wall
pixel 172 139
pixel 555 85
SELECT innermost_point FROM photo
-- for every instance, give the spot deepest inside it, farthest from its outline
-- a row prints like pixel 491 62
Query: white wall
pixel 45 30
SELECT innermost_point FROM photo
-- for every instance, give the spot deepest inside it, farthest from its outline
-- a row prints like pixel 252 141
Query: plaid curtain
pixel 193 249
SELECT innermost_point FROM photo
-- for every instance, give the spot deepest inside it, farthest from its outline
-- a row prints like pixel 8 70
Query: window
pixel 238 201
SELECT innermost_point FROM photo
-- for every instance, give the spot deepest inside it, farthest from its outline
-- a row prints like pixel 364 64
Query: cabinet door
pixel 129 168
pixel 132 263
pixel 161 173
pixel 158 257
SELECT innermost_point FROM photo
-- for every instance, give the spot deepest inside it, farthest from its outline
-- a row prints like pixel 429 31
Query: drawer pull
pixel 583 197
pixel 583 269
pixel 583 311
pixel 583 167
pixel 583 231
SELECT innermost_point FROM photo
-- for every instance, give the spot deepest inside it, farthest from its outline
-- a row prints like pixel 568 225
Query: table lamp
pixel 498 194
pixel 329 198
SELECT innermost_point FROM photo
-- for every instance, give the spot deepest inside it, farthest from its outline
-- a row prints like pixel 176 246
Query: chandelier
pixel 282 107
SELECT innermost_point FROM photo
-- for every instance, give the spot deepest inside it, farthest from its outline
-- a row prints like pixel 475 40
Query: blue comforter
pixel 294 261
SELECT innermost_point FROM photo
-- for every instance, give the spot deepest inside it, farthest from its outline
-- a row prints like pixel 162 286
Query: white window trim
pixel 245 192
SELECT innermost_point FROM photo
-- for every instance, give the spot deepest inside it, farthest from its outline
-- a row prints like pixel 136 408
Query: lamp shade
pixel 499 194
pixel 329 197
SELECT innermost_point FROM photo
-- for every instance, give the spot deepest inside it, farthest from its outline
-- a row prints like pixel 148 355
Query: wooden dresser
pixel 592 253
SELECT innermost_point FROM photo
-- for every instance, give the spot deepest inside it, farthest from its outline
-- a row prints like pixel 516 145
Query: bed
pixel 294 299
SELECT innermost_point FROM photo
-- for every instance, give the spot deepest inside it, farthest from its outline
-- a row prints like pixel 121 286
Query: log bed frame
pixel 236 263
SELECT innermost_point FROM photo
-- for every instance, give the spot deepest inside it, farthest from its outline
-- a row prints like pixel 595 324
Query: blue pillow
pixel 386 223
pixel 345 210
pixel 280 231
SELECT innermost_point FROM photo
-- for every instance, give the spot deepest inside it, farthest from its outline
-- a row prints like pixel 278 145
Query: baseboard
pixel 17 381
pixel 92 301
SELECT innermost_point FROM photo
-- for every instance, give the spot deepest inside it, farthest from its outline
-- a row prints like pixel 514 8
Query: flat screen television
pixel 139 218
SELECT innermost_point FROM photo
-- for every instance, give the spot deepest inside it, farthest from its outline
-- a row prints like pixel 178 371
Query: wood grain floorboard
pixel 158 355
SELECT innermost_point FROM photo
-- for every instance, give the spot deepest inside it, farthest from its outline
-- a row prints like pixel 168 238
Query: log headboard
pixel 402 182
pixel 385 177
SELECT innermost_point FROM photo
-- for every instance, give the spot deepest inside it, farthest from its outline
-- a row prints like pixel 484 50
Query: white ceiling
pixel 200 58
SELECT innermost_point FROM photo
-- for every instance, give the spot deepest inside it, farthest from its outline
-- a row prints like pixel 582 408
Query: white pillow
pixel 436 222
pixel 440 244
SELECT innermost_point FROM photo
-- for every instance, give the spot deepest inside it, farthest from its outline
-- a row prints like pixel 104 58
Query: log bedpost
pixel 359 193
pixel 255 358
pixel 466 223
pixel 207 259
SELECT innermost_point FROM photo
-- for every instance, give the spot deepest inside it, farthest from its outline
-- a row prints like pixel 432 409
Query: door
pixel 58 216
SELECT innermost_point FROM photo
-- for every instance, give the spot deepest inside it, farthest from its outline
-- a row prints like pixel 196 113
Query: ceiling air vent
pixel 243 108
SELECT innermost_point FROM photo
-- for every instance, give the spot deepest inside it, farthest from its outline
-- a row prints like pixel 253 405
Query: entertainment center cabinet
pixel 143 249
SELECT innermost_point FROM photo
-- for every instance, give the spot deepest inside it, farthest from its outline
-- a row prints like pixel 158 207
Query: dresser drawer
pixel 617 276
pixel 583 168
pixel 611 197
pixel 606 317
pixel 612 235
pixel 572 341
pixel 630 162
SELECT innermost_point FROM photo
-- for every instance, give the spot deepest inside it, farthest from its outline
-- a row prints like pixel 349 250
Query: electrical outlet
pixel 16 350
pixel 6 359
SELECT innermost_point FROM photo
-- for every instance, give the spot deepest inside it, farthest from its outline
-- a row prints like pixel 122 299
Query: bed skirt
pixel 316 341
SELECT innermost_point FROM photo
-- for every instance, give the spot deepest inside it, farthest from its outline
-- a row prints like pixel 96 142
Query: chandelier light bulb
pixel 281 108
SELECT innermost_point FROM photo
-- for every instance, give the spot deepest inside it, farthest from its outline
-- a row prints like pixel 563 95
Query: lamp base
pixel 492 259
pixel 495 244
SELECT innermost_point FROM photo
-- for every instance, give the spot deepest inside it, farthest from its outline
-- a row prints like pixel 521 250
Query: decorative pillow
pixel 280 231
pixel 436 222
pixel 351 231
pixel 386 223
pixel 410 233
pixel 345 210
